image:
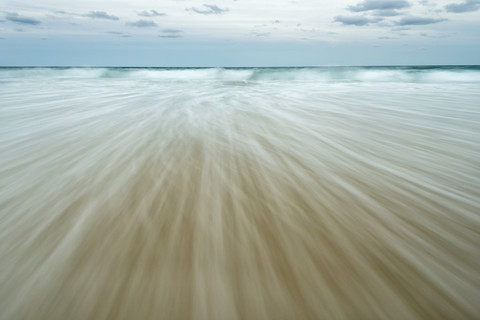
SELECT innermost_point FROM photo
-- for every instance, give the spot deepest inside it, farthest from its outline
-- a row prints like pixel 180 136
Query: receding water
pixel 308 193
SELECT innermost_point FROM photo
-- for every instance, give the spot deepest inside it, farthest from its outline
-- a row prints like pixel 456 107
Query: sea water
pixel 240 193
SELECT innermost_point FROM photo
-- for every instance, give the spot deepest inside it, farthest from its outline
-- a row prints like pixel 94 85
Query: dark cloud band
pixel 417 21
pixel 174 31
pixel 356 20
pixel 142 24
pixel 100 15
pixel 467 6
pixel 368 5
pixel 16 18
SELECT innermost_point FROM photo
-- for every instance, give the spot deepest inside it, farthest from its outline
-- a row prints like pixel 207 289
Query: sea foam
pixel 316 74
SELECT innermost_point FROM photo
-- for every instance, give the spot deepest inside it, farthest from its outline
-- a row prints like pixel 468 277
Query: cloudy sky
pixel 239 32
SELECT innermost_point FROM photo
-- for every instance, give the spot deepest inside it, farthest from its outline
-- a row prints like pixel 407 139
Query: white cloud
pixel 335 21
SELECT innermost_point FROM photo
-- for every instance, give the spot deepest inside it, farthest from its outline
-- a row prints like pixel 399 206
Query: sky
pixel 236 33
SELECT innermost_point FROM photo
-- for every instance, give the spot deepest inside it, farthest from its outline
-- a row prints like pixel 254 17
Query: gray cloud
pixel 121 34
pixel 171 31
pixel 467 6
pixel 100 15
pixel 16 18
pixel 401 29
pixel 61 12
pixel 417 21
pixel 142 24
pixel 367 5
pixel 427 3
pixel 261 34
pixel 170 36
pixel 151 13
pixel 355 20
pixel 210 9
pixel 438 35
pixel 386 13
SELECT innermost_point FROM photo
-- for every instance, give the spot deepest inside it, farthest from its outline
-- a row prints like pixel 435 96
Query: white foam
pixel 327 74
pixel 451 76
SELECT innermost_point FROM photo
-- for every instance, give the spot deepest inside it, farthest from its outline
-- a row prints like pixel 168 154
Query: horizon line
pixel 241 67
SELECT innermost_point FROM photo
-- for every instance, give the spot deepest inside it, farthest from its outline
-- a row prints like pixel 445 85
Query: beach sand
pixel 129 199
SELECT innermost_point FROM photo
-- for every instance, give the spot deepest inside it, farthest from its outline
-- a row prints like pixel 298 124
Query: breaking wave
pixel 318 74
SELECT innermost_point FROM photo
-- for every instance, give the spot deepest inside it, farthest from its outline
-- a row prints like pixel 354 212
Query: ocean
pixel 240 193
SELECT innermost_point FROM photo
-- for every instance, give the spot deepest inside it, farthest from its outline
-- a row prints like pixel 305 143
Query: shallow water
pixel 334 193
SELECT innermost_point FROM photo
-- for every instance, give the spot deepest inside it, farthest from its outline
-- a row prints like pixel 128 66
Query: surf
pixel 217 193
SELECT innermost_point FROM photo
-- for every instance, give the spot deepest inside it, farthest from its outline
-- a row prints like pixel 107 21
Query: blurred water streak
pixel 152 198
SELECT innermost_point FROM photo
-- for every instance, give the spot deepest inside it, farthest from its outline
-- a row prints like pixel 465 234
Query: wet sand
pixel 225 200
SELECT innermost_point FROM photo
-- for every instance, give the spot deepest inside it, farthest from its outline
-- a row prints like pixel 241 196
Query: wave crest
pixel 314 74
